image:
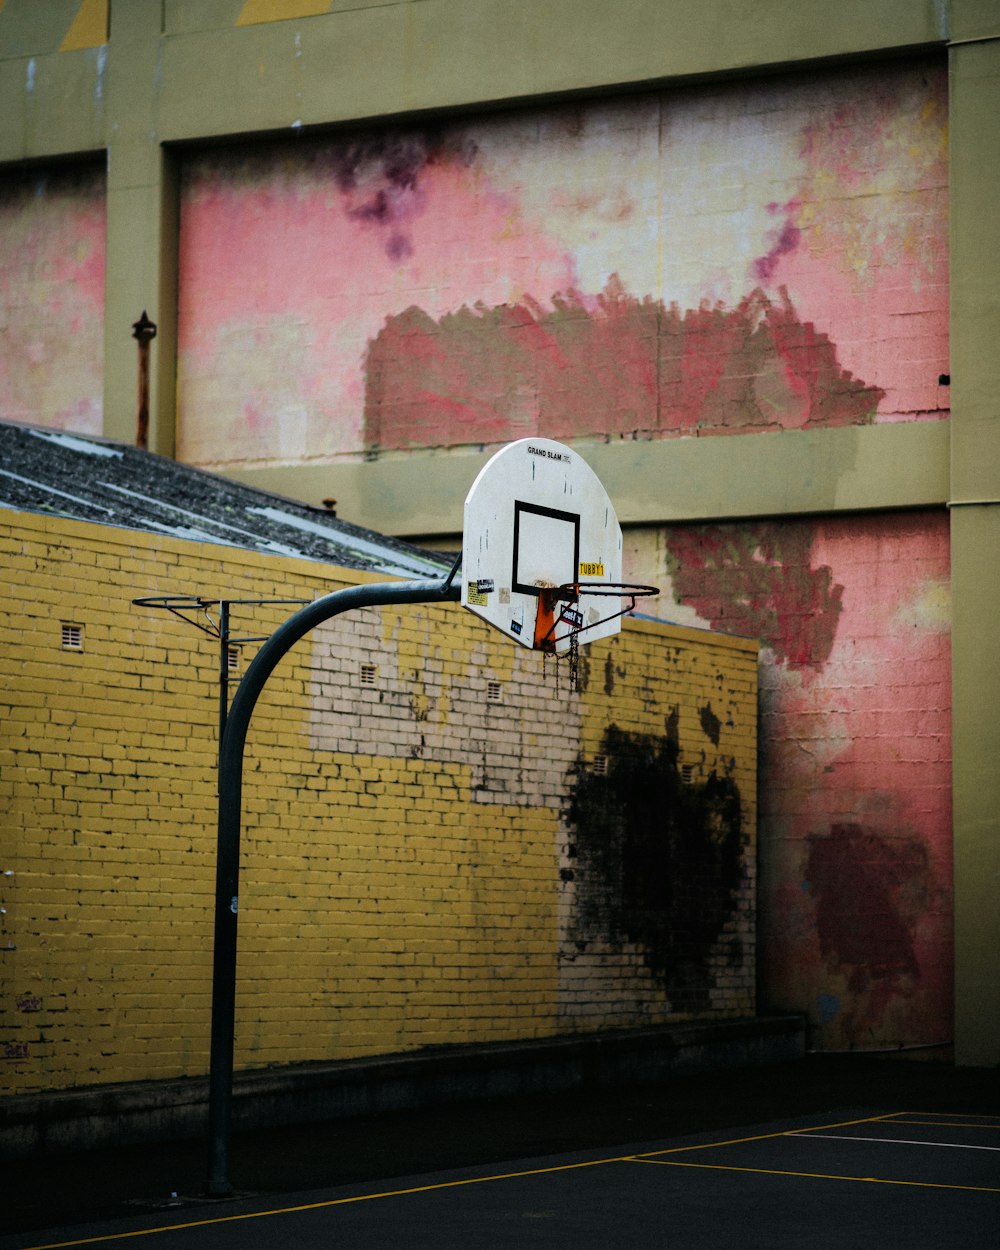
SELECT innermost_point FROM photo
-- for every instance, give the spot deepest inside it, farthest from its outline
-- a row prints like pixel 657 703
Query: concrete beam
pixel 850 469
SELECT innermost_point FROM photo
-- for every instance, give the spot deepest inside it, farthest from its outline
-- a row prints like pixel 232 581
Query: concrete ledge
pixel 658 481
pixel 82 1119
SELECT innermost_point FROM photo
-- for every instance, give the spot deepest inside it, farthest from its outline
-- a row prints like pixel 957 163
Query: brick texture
pixel 421 859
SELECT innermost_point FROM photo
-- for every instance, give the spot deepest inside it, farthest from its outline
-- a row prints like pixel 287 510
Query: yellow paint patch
pixel 254 12
pixel 89 29
pixel 929 611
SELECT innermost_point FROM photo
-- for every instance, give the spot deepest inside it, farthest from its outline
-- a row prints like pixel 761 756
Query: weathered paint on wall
pixel 412 871
pixel 52 297
pixel 624 367
pixel 855 756
pixel 722 259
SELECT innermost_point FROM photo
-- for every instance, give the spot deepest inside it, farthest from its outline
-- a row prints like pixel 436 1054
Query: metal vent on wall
pixel 72 637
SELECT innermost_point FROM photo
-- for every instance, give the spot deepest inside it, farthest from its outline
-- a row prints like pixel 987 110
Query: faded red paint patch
pixel 614 365
pixel 758 581
pixel 870 890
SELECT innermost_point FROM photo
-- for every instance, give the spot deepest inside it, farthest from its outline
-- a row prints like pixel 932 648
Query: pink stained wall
pixel 855 780
pixel 52 225
pixel 727 259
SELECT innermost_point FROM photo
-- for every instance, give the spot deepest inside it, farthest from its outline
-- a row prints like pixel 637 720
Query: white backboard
pixel 538 517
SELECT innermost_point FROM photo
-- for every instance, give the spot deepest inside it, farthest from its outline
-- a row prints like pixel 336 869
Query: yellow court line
pixel 818 1176
pixel 738 1141
pixel 420 1189
pixel 329 1202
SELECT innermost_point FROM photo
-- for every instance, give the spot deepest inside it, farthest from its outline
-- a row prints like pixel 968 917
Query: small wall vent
pixel 72 637
pixel 494 692
pixel 368 675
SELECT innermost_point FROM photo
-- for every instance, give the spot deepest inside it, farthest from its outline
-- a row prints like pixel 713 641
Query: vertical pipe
pixel 143 331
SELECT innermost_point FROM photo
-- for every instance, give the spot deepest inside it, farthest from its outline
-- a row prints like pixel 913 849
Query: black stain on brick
pixel 710 723
pixel 612 671
pixel 659 862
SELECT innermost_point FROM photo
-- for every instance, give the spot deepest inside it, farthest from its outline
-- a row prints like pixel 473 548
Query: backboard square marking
pixel 546 547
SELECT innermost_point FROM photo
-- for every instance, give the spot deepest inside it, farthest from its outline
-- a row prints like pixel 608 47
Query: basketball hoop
pixel 550 640
pixel 550 617
pixel 541 538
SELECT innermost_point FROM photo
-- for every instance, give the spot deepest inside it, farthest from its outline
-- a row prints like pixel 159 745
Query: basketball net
pixel 551 615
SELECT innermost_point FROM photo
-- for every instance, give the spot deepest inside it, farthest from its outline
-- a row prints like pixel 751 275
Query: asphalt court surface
pixel 897 1178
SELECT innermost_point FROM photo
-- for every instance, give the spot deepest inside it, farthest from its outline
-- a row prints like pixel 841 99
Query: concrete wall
pixel 444 841
pixel 170 77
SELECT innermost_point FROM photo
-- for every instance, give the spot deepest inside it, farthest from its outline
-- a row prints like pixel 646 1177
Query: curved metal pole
pixel 220 1086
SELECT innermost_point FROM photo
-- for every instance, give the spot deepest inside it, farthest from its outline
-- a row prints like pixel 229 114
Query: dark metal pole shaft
pixel 223 667
pixel 220 1088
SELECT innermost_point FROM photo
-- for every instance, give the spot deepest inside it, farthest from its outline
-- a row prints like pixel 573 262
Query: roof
pixel 94 479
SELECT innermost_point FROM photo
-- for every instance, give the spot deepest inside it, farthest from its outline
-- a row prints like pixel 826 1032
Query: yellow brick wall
pixel 410 871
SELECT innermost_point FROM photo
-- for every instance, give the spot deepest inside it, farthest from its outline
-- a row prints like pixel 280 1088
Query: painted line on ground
pixel 738 1141
pixel 982 1122
pixel 327 1202
pixel 820 1176
pixel 892 1141
pixel 653 1156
